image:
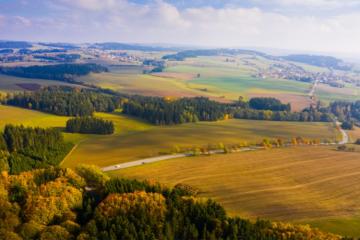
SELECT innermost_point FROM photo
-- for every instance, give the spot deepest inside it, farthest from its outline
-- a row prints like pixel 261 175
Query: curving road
pixel 143 161
pixel 345 136
pixel 345 140
pixel 162 158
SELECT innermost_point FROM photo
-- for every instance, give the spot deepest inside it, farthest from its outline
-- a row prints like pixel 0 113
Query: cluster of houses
pixel 297 73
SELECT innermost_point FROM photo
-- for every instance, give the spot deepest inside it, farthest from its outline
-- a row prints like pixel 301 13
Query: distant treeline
pixel 59 57
pixel 182 55
pixel 158 66
pixel 15 44
pixel 89 125
pixel 65 101
pixel 124 46
pixel 40 51
pixel 67 46
pixel 25 148
pixel 157 110
pixel 6 51
pixel 60 72
pixel 320 61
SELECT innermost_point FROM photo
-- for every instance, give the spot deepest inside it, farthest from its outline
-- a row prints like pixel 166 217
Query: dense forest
pixel 65 101
pixel 57 203
pixel 23 149
pixel 60 72
pixel 89 125
pixel 161 111
pixel 272 104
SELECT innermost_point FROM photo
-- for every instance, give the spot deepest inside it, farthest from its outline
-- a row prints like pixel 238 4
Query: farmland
pixel 135 139
pixel 316 185
pixel 204 76
pixel 149 140
pixel 11 84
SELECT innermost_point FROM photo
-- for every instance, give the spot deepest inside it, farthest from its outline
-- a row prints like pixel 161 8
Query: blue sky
pixel 309 25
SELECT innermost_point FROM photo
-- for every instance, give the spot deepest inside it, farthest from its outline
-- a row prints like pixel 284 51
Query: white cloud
pixel 315 3
pixel 161 22
pixel 94 5
pixel 19 20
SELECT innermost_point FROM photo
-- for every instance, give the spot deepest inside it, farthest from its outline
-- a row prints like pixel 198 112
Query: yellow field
pixel 31 118
pixel 109 150
pixel 303 184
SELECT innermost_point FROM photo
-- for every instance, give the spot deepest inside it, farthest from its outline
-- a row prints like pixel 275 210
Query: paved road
pixel 345 136
pixel 345 140
pixel 162 158
pixel 143 161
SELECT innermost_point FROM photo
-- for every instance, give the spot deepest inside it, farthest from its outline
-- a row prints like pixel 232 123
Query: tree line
pixel 68 101
pixel 61 72
pixel 89 125
pixel 308 115
pixel 25 148
pixel 52 203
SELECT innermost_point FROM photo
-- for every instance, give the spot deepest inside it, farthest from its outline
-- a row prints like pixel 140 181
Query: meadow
pixel 153 140
pixel 316 185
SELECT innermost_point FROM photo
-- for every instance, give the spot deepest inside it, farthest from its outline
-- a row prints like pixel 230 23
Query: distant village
pixel 294 72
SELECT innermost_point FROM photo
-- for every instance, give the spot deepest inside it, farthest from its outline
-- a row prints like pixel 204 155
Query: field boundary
pixel 183 155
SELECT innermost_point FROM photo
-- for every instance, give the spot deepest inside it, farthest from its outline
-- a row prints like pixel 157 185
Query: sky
pixel 303 25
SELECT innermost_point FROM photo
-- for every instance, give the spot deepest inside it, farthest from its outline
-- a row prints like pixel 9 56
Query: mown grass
pixel 316 185
pixel 134 145
pixel 346 226
pixel 142 84
pixel 15 115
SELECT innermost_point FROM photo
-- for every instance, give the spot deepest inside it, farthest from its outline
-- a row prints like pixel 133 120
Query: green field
pixel 144 84
pixel 316 185
pixel 233 79
pixel 212 77
pixel 134 145
pixel 31 118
